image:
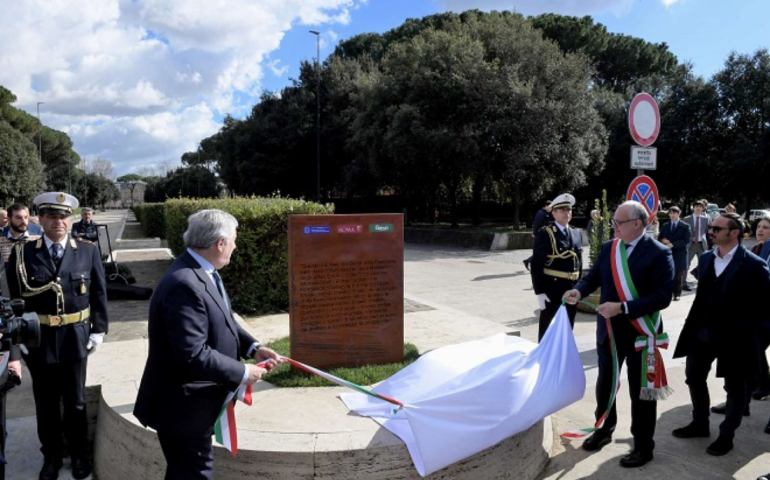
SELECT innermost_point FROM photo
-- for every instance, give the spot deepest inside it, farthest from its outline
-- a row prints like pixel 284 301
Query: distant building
pixel 131 193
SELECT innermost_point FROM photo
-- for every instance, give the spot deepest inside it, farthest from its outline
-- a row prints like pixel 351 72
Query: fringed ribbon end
pixel 655 394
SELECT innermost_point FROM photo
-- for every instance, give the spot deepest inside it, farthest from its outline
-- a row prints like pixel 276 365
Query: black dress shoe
pixel 81 468
pixel 636 458
pixel 761 393
pixel 692 430
pixel 50 470
pixel 597 441
pixel 764 477
pixel 687 288
pixel 526 264
pixel 720 447
pixel 767 428
pixel 676 298
pixel 722 409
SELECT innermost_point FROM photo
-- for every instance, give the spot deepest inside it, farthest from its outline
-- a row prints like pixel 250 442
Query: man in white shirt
pixel 723 325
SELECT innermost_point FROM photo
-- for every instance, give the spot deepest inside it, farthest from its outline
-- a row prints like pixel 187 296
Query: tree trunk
pixel 478 187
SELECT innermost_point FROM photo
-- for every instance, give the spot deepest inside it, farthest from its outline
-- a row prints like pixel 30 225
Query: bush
pixel 257 278
pixel 153 220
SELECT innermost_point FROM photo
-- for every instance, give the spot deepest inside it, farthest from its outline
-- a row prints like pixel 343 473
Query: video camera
pixel 16 326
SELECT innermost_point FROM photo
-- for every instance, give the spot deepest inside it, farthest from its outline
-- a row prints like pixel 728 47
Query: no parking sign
pixel 644 191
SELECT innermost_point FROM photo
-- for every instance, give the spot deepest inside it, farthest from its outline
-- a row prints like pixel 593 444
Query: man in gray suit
pixel 699 223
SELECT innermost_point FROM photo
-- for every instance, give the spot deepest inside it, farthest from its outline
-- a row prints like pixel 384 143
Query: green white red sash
pixel 654 381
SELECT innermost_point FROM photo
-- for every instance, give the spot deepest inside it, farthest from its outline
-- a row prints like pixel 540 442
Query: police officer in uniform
pixel 85 230
pixel 63 281
pixel 557 260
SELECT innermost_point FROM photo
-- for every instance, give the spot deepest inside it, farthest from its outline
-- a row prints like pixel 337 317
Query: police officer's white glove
pixel 541 299
pixel 94 341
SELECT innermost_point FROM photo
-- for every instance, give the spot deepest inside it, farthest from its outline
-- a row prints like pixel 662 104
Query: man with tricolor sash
pixel 636 276
pixel 193 369
pixel 724 324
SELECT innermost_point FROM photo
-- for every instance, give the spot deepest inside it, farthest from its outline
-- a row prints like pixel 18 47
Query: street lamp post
pixel 317 115
pixel 39 133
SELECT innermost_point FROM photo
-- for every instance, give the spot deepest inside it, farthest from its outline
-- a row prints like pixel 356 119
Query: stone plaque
pixel 346 289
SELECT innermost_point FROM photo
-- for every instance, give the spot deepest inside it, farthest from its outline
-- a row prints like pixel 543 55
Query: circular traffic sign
pixel 644 191
pixel 644 119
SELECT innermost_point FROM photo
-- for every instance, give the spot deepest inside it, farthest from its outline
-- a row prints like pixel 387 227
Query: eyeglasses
pixel 719 229
pixel 617 223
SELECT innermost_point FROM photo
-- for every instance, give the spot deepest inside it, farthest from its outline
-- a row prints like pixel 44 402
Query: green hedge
pixel 257 278
pixel 153 219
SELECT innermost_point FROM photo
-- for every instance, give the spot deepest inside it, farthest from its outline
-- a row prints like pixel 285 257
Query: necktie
pixel 221 288
pixel 697 229
pixel 673 225
pixel 56 253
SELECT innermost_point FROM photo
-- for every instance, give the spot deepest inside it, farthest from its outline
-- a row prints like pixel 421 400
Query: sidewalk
pixel 466 293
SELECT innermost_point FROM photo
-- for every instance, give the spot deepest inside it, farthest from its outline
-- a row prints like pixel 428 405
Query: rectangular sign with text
pixel 346 289
pixel 644 158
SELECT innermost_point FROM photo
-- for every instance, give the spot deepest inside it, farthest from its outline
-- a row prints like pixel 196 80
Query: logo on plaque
pixel 316 229
pixel 350 228
pixel 381 227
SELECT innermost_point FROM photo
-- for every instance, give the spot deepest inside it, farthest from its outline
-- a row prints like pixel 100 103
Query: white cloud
pixel 143 82
pixel 536 7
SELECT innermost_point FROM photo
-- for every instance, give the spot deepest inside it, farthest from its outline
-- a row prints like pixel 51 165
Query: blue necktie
pixel 57 252
pixel 221 288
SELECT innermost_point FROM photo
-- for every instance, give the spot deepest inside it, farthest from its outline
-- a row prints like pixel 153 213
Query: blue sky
pixel 140 82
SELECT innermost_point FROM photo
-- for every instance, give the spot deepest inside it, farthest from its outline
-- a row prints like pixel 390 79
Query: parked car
pixel 753 215
pixel 712 210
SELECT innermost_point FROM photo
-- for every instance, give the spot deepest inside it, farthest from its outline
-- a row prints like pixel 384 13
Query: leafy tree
pixel 744 98
pixel 22 173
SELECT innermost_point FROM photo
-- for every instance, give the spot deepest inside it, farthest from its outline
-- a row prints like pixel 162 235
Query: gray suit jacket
pixel 702 232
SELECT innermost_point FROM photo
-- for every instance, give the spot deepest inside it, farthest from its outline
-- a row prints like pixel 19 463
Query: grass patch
pixel 284 376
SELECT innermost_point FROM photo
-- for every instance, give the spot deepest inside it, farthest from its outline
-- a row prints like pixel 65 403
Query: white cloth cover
pixel 464 398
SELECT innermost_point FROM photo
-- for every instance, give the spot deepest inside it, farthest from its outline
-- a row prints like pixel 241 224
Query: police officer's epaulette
pixel 32 238
pixel 39 243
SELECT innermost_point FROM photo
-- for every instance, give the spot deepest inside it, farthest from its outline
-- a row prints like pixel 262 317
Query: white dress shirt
pixel 720 263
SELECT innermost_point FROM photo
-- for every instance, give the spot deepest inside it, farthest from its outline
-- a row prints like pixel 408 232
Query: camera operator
pixel 63 281
pixel 10 365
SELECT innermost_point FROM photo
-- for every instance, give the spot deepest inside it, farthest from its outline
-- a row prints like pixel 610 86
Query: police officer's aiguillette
pixel 63 282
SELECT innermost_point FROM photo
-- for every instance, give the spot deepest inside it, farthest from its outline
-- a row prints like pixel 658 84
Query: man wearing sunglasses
pixel 636 275
pixel 723 325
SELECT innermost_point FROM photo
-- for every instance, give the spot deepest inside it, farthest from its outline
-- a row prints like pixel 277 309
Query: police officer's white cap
pixel 56 202
pixel 563 200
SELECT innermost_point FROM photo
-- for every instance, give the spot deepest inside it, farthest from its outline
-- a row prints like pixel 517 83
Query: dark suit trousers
pixel 188 458
pixel 699 360
pixel 643 412
pixel 681 277
pixel 56 383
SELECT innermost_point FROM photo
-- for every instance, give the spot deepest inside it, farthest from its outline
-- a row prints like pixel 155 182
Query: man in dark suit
pixel 542 218
pixel 724 324
pixel 63 281
pixel 647 264
pixel 195 347
pixel 556 262
pixel 676 235
pixel 85 230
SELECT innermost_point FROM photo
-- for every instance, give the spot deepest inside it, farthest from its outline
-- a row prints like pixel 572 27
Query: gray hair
pixel 206 227
pixel 637 211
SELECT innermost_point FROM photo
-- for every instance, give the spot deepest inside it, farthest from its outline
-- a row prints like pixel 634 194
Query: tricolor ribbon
pixel 581 433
